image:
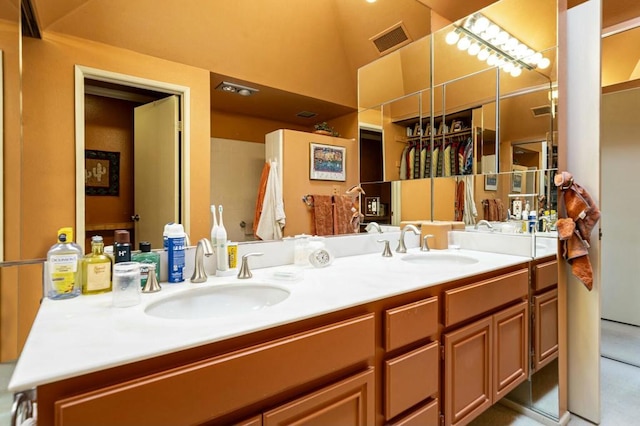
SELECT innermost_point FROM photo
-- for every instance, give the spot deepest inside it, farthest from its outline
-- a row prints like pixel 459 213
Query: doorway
pixel 108 106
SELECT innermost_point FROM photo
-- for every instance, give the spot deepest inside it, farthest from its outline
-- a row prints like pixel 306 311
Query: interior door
pixel 156 168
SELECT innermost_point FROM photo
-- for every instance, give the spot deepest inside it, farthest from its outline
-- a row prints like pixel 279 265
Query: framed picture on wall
pixel 328 162
pixel 516 182
pixel 491 182
pixel 101 172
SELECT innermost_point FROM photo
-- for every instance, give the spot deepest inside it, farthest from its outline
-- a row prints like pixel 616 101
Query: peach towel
pixel 322 214
pixel 342 214
pixel 262 188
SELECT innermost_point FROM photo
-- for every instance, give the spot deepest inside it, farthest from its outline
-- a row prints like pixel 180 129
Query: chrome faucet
pixel 546 223
pixel 425 243
pixel 245 272
pixel 203 248
pixel 402 248
pixel 373 225
pixel 387 251
pixel 483 222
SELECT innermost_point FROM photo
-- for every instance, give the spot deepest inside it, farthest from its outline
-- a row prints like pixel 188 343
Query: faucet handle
pixel 245 272
pixel 425 243
pixel 387 250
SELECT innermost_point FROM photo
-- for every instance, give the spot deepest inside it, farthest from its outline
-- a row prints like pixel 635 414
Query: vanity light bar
pixel 488 42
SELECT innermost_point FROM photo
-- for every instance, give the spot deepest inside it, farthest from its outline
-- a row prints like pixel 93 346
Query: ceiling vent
pixel 391 39
pixel 543 110
pixel 306 114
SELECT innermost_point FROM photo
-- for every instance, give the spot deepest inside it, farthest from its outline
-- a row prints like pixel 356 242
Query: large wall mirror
pixel 480 115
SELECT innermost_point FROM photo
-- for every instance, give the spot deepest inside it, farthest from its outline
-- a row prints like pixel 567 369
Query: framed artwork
pixel 101 172
pixel 516 182
pixel 491 182
pixel 327 162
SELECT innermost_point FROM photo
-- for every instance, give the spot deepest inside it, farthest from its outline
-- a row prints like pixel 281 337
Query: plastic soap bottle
pixel 65 273
pixel 525 218
pixel 146 257
pixel 222 256
pixel 122 246
pixel 175 252
pixel 96 269
pixel 214 227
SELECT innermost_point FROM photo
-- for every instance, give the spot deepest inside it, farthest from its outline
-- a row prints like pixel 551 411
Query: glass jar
pixel 126 284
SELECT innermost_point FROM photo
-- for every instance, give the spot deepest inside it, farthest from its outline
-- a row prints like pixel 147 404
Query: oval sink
pixel 442 259
pixel 219 301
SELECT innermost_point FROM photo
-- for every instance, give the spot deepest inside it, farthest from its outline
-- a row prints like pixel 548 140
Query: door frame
pixel 82 73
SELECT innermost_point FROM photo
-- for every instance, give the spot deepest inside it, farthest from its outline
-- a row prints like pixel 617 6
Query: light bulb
pixel 474 49
pixel 535 58
pixel 508 67
pixel 484 54
pixel 516 71
pixel 512 44
pixel 464 43
pixel 500 62
pixel 493 30
pixel 521 50
pixel 502 38
pixel 492 59
pixel 452 38
pixel 544 63
pixel 480 25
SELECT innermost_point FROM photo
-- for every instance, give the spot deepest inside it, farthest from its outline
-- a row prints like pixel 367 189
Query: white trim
pixel 82 72
pixel 621 27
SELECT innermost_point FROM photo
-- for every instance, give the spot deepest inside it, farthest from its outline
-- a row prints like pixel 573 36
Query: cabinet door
pixel 546 328
pixel 468 372
pixel 346 403
pixel 510 340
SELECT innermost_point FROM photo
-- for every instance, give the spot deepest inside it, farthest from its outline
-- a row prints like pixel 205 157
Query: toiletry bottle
pixel 122 246
pixel 525 218
pixel 96 269
pixel 214 228
pixel 165 234
pixel 533 220
pixel 175 253
pixel 146 257
pixel 65 273
pixel 222 256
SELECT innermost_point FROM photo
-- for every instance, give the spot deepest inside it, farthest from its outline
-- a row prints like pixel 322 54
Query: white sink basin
pixel 219 301
pixel 443 259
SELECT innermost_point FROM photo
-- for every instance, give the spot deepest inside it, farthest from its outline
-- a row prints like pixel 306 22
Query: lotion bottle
pixel 214 228
pixel 222 256
pixel 525 218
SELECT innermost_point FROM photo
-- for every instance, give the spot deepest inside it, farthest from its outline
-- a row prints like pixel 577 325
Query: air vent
pixel 306 114
pixel 391 38
pixel 541 111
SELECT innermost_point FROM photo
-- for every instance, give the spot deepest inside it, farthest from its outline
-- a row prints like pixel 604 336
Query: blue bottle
pixel 176 242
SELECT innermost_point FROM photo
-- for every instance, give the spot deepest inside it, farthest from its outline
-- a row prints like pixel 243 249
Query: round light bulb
pixel 521 50
pixel 464 43
pixel 512 44
pixel 535 58
pixel 493 30
pixel 500 62
pixel 544 63
pixel 516 71
pixel 452 38
pixel 508 67
pixel 492 59
pixel 480 25
pixel 502 38
pixel 484 54
pixel 474 49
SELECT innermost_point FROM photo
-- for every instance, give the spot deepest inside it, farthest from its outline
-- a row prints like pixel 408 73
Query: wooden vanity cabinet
pixel 544 305
pixel 485 345
pixel 411 374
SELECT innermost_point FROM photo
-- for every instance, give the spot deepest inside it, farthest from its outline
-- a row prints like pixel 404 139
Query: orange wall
pixel 109 127
pixel 296 182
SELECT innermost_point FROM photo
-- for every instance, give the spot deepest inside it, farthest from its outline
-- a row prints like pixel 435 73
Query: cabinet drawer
pixel 349 403
pixel 424 416
pixel 411 378
pixel 228 382
pixel 410 323
pixel 546 275
pixel 474 299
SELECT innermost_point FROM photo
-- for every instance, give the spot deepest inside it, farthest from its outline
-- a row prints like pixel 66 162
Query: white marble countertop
pixel 85 334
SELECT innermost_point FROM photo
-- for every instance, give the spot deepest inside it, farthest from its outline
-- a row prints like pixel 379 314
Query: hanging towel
pixel 262 187
pixel 458 207
pixel 470 211
pixel 342 214
pixel 272 218
pixel 578 215
pixel 322 215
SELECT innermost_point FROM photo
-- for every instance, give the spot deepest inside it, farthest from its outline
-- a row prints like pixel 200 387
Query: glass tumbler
pixel 126 284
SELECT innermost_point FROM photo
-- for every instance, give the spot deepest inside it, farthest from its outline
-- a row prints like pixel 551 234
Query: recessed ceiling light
pixel 371 1
pixel 236 88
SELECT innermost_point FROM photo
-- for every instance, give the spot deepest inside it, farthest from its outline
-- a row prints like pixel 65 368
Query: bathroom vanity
pixel 421 338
